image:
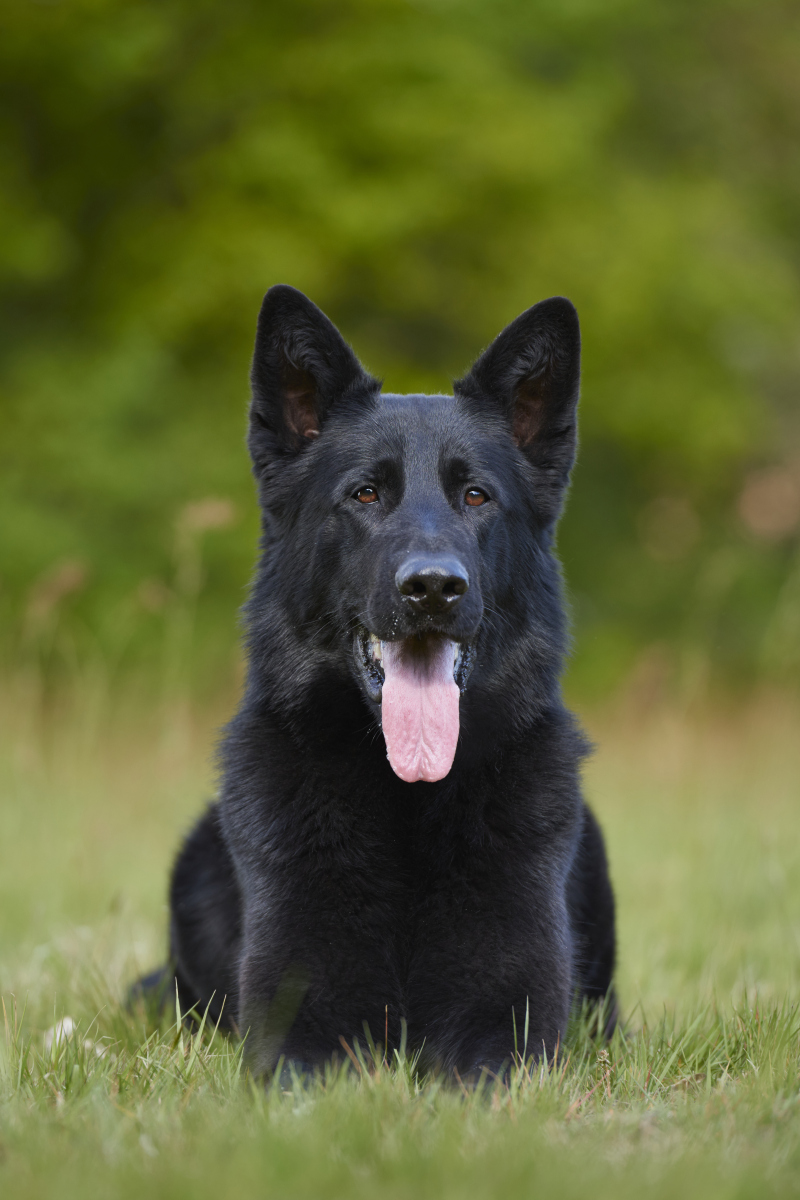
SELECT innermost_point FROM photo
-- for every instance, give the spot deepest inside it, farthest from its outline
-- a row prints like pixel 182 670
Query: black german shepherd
pixel 400 836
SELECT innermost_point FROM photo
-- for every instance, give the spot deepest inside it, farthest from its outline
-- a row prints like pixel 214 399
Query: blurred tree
pixel 424 171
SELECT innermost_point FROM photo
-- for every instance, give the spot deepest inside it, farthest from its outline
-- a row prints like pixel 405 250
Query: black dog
pixel 400 835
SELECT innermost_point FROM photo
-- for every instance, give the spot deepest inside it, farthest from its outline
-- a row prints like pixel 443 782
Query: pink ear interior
pixel 529 406
pixel 300 402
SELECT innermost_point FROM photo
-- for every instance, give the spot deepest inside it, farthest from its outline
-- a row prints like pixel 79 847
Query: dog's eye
pixel 367 495
pixel 475 496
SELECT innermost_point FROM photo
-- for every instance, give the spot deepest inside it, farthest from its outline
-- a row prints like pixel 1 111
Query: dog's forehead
pixel 416 404
pixel 421 422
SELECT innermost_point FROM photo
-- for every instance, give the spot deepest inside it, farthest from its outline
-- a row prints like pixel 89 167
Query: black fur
pixel 322 894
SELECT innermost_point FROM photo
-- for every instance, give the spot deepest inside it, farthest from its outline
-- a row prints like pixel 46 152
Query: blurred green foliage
pixel 424 171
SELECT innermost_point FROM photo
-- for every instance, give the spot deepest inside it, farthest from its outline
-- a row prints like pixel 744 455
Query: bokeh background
pixel 424 171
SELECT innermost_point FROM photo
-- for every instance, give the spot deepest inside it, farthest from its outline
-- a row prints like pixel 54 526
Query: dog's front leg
pixel 273 992
pixel 314 975
pixel 492 978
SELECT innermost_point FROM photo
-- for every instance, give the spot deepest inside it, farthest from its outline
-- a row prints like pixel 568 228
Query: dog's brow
pixel 455 464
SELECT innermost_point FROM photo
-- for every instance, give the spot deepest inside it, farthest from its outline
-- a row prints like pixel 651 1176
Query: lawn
pixel 699 1098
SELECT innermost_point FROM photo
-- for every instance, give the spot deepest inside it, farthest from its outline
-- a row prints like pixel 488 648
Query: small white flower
pixel 62 1031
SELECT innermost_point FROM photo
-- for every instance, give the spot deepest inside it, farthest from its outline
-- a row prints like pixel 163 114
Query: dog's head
pixel 407 538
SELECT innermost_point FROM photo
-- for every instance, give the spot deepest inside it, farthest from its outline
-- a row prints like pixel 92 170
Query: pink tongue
pixel 419 708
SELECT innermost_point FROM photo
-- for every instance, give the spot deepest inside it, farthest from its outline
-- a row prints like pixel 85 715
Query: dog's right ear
pixel 301 366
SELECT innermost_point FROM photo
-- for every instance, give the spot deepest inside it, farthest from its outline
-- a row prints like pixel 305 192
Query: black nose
pixel 432 584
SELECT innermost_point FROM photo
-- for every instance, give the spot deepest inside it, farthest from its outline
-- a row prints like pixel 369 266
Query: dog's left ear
pixel 531 371
pixel 301 367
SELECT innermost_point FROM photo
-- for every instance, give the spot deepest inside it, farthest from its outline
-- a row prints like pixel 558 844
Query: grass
pixel 699 1098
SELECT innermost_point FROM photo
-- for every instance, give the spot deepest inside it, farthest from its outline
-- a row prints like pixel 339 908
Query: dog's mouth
pixel 417 681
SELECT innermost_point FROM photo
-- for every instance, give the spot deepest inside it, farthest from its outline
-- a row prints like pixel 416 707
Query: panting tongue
pixel 419 707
